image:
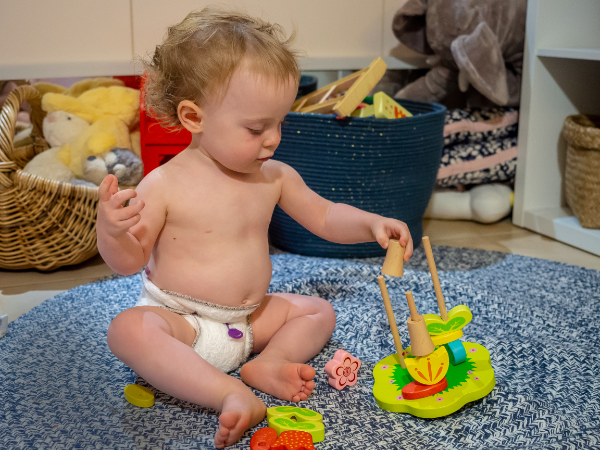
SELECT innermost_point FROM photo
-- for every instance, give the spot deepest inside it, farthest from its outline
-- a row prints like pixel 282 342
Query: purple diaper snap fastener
pixel 234 332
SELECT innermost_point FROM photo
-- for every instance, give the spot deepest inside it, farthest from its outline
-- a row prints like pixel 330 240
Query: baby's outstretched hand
pixel 385 229
pixel 114 219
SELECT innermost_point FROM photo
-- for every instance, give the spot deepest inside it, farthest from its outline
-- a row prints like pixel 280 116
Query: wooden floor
pixel 22 290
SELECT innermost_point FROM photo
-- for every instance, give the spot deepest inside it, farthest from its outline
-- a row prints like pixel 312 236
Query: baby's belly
pixel 230 274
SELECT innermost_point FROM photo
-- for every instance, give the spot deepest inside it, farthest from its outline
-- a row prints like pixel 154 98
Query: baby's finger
pixel 122 196
pixel 382 238
pixel 104 190
pixel 127 224
pixel 130 211
pixel 409 250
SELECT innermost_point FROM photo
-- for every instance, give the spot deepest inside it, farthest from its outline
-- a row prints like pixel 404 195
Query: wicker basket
pixel 582 174
pixel 44 224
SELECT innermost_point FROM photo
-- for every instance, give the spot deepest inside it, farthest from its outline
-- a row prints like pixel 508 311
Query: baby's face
pixel 243 131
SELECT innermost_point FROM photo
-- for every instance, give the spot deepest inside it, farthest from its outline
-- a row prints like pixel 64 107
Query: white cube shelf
pixel 561 76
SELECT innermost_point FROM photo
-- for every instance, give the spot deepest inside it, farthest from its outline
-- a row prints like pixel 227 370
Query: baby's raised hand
pixel 385 228
pixel 113 218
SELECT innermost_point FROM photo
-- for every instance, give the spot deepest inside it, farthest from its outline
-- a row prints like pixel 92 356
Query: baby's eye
pixel 254 132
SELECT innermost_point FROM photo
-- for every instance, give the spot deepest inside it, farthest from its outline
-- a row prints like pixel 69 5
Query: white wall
pixel 60 38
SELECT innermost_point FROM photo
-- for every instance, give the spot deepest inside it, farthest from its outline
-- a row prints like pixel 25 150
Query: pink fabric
pixel 483 126
pixel 478 164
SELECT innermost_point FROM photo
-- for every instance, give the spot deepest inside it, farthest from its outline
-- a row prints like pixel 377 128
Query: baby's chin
pixel 254 167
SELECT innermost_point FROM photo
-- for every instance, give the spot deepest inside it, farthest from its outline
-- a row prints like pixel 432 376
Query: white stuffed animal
pixel 487 203
pixel 47 165
pixel 59 128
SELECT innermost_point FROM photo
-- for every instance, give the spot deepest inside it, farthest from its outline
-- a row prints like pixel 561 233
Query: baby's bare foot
pixel 279 378
pixel 241 410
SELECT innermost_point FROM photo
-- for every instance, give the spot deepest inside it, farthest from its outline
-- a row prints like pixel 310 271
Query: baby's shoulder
pixel 155 183
pixel 278 170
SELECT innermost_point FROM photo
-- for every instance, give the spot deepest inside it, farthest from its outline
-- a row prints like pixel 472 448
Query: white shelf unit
pixel 561 76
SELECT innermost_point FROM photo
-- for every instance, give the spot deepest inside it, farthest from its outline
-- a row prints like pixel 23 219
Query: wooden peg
pixel 394 259
pixel 414 314
pixel 391 320
pixel 435 279
pixel 420 341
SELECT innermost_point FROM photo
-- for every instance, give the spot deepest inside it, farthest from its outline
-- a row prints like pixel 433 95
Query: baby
pixel 199 224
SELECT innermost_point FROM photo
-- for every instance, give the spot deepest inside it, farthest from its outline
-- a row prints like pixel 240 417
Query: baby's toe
pixel 307 373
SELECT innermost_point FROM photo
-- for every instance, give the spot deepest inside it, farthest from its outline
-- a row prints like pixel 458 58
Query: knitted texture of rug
pixel 61 387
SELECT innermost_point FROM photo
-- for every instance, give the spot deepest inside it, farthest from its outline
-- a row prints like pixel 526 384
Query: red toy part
pixel 416 390
pixel 342 369
pixel 294 440
pixel 263 439
pixel 158 144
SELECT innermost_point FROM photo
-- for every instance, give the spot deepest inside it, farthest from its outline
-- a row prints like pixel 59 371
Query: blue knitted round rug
pixel 60 386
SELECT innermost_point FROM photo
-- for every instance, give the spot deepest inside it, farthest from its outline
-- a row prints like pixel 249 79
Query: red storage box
pixel 159 144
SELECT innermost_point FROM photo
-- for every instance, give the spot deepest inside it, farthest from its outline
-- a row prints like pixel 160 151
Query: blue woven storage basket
pixel 384 166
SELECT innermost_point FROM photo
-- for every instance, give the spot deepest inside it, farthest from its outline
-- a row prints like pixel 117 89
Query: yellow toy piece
pixel 442 339
pixel 458 317
pixel 367 111
pixel 139 395
pixel 429 369
pixel 78 87
pixel 112 112
pixel 386 108
pixel 288 418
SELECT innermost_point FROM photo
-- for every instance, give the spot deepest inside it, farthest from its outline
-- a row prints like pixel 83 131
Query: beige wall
pixel 40 38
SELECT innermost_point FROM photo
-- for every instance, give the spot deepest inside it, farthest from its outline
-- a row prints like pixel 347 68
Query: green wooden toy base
pixel 467 382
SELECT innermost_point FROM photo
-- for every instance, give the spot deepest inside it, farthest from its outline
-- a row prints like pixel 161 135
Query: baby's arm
pixel 127 235
pixel 337 222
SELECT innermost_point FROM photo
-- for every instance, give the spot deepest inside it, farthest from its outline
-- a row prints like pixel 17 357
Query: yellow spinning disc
pixel 139 395
pixel 445 338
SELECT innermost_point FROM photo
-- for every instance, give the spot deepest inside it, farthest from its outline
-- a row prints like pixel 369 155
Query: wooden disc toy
pixel 290 418
pixel 416 390
pixel 139 395
pixel 263 439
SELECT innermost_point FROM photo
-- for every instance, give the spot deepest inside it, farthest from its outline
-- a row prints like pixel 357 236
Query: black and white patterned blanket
pixel 61 388
pixel 480 146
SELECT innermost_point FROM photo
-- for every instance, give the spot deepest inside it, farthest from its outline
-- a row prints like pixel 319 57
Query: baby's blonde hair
pixel 199 55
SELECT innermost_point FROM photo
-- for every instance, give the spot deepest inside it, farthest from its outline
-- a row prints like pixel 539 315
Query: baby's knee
pixel 328 314
pixel 122 331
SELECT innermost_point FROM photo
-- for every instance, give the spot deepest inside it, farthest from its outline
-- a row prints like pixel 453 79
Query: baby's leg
pixel 156 344
pixel 289 329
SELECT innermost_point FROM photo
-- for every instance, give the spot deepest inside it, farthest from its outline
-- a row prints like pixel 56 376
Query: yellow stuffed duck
pixel 110 113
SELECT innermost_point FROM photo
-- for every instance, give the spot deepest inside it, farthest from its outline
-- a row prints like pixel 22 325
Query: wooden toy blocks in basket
pixel 44 224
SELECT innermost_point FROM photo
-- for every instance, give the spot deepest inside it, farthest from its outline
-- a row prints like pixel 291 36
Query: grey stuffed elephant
pixel 476 48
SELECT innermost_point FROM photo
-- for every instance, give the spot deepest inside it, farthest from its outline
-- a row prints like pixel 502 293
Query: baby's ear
pixel 191 116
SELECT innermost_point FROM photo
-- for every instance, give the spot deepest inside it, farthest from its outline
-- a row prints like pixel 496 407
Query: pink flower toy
pixel 342 370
